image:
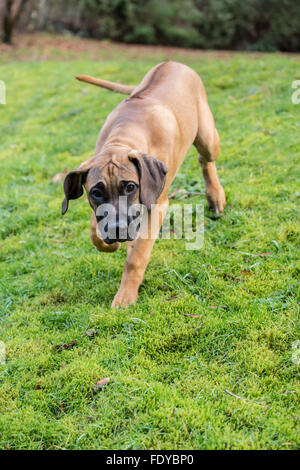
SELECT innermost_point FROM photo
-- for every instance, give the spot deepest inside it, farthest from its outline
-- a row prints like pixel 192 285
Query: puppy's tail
pixel 117 87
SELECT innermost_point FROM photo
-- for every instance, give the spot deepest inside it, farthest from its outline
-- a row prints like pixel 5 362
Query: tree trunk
pixel 7 22
pixel 11 18
pixel 42 14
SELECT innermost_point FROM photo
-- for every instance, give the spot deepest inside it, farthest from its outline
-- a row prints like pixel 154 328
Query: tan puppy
pixel 138 153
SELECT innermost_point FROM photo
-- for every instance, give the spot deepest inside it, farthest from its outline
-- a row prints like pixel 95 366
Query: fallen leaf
pixel 192 315
pixel 63 365
pixel 60 176
pixel 230 276
pixel 101 384
pixel 246 272
pixel 61 347
pixel 174 297
pixel 38 386
pixel 220 306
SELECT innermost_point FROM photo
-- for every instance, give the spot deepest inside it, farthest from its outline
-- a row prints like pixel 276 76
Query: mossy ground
pixel 169 373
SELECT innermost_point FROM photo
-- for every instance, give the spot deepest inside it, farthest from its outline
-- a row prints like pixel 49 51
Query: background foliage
pixel 264 25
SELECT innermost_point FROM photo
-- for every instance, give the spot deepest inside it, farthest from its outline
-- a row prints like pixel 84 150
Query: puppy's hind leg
pixel 207 142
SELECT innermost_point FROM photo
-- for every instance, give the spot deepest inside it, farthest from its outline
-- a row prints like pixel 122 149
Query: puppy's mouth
pixel 117 232
pixel 110 241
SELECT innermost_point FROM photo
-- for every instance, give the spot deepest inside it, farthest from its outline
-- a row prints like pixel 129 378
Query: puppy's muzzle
pixel 120 230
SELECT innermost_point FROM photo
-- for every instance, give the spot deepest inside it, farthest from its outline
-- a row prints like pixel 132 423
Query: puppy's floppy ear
pixel 152 173
pixel 73 186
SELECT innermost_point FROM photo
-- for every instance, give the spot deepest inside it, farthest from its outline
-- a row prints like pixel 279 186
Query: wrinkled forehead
pixel 112 173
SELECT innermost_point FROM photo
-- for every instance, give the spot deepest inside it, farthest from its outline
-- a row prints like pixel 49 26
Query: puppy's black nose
pixel 117 228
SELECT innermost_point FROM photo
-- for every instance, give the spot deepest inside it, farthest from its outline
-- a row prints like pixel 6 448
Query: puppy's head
pixel 115 186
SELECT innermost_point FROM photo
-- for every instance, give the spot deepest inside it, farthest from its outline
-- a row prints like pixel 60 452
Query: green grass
pixel 168 372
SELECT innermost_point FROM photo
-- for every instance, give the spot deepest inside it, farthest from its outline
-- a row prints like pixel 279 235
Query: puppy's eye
pixel 130 187
pixel 97 193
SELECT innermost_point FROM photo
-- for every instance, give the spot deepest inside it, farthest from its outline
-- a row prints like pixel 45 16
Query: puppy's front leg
pixel 138 256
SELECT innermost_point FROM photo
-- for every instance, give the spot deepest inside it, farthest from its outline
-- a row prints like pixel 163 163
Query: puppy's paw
pixel 124 297
pixel 216 199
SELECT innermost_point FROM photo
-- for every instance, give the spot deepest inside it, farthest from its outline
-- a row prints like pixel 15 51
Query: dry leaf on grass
pixel 174 297
pixel 101 384
pixel 247 272
pixel 230 276
pixel 268 132
pixel 60 347
pixel 38 386
pixel 192 315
